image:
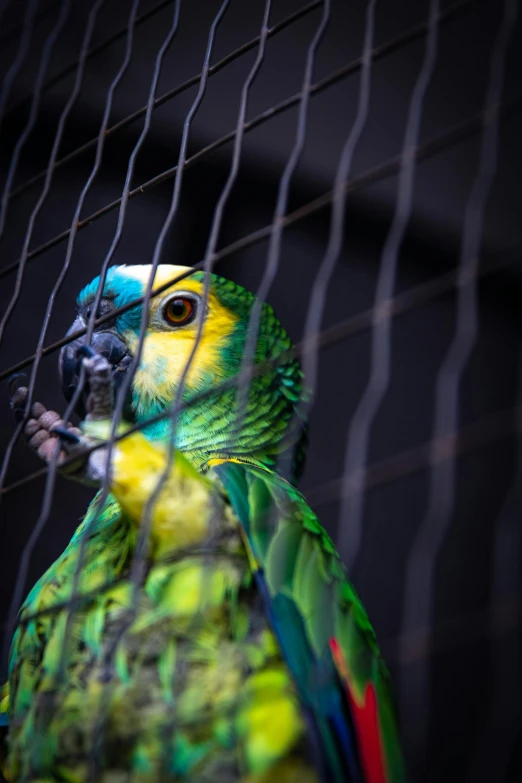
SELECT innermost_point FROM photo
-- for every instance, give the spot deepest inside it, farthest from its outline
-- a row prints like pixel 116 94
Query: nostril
pixel 85 350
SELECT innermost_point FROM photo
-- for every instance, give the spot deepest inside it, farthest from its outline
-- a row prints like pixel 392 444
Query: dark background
pixel 473 646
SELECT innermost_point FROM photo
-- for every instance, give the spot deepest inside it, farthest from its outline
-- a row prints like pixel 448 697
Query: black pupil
pixel 178 308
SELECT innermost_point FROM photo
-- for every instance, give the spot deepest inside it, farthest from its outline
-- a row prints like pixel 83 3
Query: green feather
pixel 311 603
pixel 218 665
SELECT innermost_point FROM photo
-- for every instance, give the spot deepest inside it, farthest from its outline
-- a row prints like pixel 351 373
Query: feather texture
pixel 243 653
pixel 188 681
pixel 321 625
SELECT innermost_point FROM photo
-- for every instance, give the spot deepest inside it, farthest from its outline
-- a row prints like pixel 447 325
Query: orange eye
pixel 179 310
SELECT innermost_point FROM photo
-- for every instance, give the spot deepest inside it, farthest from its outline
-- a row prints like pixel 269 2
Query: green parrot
pixel 239 651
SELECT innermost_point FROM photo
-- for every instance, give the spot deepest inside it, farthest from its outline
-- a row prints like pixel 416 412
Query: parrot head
pixel 209 425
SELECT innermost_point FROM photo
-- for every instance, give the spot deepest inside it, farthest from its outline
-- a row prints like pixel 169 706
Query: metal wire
pixel 24 562
pixel 416 642
pixel 32 219
pixel 208 261
pixel 117 237
pixel 327 266
pixel 409 299
pixel 123 201
pixel 419 586
pixel 125 387
pixel 142 546
pixel 497 426
pixel 140 550
pixel 502 618
pixel 167 96
pixel 471 438
pixel 35 105
pixel 456 134
pixel 47 184
pixel 90 328
pixel 276 231
pixel 352 506
pixel 71 68
pixel 48 48
pixel 315 89
pixel 51 473
pixel 65 268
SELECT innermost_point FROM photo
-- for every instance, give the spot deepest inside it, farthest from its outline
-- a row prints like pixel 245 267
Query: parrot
pixel 200 625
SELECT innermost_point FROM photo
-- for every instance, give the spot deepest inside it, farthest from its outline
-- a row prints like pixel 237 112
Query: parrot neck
pixel 206 431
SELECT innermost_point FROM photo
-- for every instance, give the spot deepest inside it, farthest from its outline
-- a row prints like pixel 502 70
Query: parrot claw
pixel 17 400
pixel 100 402
pixel 47 435
pixel 15 381
pixel 66 435
pixel 17 394
pixel 52 439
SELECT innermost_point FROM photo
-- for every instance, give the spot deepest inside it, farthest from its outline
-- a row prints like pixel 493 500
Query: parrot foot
pixel 49 437
pixel 42 428
pixel 98 370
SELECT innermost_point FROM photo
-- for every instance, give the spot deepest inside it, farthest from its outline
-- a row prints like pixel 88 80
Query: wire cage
pixel 357 166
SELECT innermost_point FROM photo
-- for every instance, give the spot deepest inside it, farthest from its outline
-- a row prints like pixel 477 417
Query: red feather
pixel 366 720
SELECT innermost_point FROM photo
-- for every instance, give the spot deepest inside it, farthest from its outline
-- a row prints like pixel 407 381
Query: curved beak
pixel 108 344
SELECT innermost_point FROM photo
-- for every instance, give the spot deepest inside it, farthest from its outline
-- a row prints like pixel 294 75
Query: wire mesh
pixel 283 106
pixel 430 536
pixel 364 416
pixel 418 636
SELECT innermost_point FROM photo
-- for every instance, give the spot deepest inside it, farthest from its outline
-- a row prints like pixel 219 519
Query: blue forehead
pixel 123 289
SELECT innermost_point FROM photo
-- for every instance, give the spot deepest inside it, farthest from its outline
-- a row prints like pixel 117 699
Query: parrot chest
pixel 178 676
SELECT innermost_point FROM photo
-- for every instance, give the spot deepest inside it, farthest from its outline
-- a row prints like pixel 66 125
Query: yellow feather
pixel 181 515
pixel 270 721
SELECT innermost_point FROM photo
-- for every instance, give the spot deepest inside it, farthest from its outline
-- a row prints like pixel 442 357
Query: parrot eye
pixel 179 310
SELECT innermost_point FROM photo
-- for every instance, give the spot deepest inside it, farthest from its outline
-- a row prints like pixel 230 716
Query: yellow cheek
pixel 165 354
pixel 163 359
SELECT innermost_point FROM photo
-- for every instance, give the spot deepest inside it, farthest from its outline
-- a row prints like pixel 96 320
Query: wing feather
pixel 323 630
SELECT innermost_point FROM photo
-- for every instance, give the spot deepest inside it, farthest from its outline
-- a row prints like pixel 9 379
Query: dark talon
pixel 17 396
pixel 66 435
pixel 86 350
pixel 18 412
pixel 14 382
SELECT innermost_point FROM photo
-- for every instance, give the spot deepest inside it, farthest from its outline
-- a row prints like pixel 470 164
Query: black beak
pixel 106 343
